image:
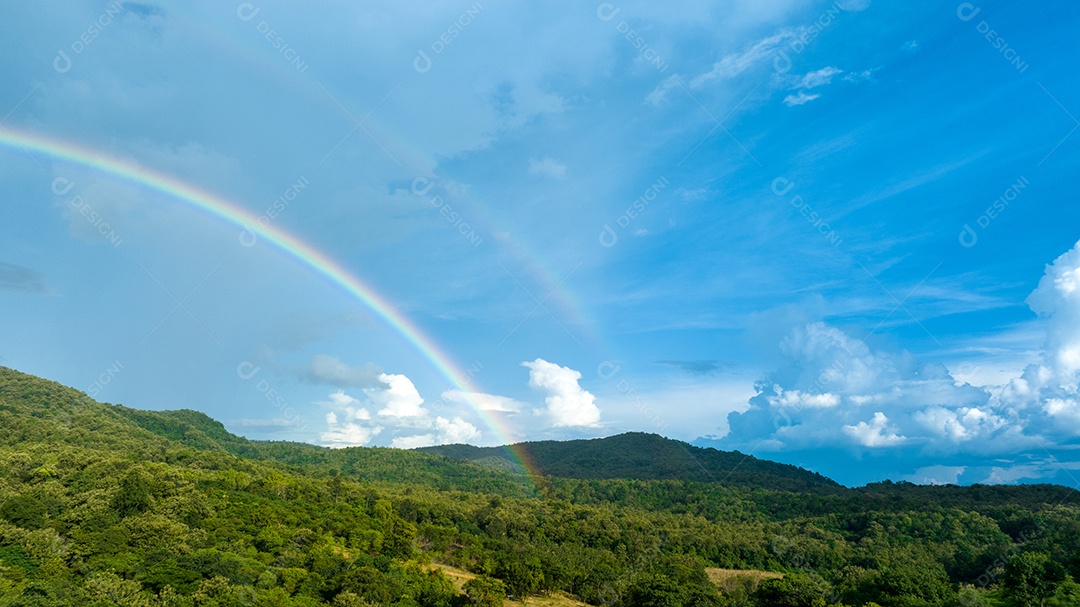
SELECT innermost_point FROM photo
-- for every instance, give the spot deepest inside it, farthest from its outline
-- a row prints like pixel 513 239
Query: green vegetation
pixel 107 505
pixel 636 455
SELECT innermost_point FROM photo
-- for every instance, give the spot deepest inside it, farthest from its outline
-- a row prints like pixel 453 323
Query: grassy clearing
pixel 555 599
pixel 728 580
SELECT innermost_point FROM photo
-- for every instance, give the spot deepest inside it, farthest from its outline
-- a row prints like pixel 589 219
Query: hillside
pixel 104 505
pixel 637 455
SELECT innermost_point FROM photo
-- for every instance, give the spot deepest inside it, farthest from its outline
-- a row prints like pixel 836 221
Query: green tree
pixel 24 511
pixel 789 591
pixel 654 591
pixel 133 496
pixel 521 575
pixel 483 591
pixel 1032 577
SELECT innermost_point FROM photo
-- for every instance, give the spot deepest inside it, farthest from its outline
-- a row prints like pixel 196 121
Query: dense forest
pixel 106 505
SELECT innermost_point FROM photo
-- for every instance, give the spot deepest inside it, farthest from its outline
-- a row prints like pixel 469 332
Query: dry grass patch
pixel 555 599
pixel 728 580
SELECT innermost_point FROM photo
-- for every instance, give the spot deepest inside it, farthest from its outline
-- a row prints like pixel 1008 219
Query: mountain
pixel 106 505
pixel 637 455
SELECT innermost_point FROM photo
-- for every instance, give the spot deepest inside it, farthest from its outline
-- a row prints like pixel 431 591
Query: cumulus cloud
pixel 937 475
pixel 484 402
pixel 547 167
pixel 567 403
pixel 398 407
pixel 875 433
pixel 835 392
pixel 413 442
pixel 344 434
pixel 340 401
pixel 446 431
pixel 343 422
pixel 1048 391
pixel 398 399
pixel 329 370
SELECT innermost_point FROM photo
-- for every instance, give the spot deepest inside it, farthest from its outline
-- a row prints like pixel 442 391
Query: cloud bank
pixel 834 392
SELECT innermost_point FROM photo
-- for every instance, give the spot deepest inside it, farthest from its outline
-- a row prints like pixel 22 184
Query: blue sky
pixel 740 224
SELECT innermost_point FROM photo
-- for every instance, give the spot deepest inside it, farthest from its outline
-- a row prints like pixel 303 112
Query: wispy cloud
pixel 19 278
pixel 734 64
pixel 801 98
pixel 329 370
pixel 547 167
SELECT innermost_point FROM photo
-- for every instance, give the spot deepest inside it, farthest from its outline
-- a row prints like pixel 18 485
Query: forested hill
pixel 104 506
pixel 637 455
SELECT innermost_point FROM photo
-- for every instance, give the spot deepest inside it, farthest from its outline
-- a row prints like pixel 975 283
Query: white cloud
pixel 658 96
pixel 343 427
pixel 484 402
pixel 817 78
pixel 347 434
pixel 1048 391
pixel 567 403
pixel 325 369
pixel 821 394
pixel 1033 470
pixel 937 475
pixel 398 399
pixel 733 64
pixel 798 399
pixel 875 433
pixel 800 99
pixel 1064 410
pixel 833 388
pixel 455 430
pixel 413 442
pixel 863 76
pixel 960 424
pixel 447 431
pixel 547 167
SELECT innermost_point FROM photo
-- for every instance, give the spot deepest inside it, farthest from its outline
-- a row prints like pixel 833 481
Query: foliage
pixel 106 505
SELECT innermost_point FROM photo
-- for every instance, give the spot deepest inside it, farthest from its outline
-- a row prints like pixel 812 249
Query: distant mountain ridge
pixel 641 456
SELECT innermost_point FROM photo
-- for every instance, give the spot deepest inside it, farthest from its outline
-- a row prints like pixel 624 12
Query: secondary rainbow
pixel 289 244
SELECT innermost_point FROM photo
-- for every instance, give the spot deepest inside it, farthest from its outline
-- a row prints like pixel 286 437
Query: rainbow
pixel 241 41
pixel 287 243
